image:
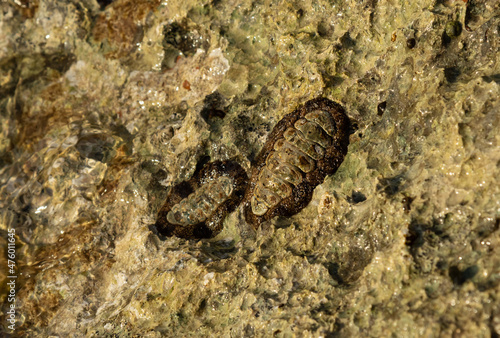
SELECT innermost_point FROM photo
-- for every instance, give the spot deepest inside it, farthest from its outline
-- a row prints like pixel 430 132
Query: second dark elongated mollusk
pixel 197 208
pixel 302 149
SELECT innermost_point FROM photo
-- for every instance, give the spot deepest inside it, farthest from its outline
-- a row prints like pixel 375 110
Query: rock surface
pixel 105 105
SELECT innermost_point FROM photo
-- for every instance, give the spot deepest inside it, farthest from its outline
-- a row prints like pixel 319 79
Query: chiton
pixel 302 149
pixel 196 208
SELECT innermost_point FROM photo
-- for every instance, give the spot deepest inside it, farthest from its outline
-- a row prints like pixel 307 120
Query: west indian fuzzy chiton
pixel 302 149
pixel 197 208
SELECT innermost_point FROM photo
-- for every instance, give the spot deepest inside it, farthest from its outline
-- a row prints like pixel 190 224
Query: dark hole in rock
pixel 351 267
pixel 213 106
pixel 407 203
pixel 358 197
pixel 333 271
pixel 390 185
pixel 459 277
pixel 202 307
pixel 183 37
pixel 494 77
pixel 47 191
pixel 95 146
pixel 381 108
pixel 104 3
pixel 331 80
pixel 347 41
pixel 415 237
pixel 325 29
pixel 442 265
pixel 410 43
pixel 353 127
pixel 445 39
pixel 474 11
pixel 201 162
pixel 451 74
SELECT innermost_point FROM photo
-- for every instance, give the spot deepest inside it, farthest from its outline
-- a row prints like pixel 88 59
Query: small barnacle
pixel 197 208
pixel 304 147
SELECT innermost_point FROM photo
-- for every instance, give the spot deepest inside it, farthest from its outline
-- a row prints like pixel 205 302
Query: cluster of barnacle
pixel 302 149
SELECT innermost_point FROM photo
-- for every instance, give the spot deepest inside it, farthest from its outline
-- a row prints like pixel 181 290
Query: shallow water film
pixel 105 106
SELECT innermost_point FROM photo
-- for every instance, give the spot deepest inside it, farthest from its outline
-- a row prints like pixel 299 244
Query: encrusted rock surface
pixel 105 105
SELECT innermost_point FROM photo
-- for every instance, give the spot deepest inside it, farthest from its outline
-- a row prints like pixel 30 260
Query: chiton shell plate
pixel 302 149
pixel 197 208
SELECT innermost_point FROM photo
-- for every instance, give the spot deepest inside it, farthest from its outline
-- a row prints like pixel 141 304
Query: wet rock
pixel 98 147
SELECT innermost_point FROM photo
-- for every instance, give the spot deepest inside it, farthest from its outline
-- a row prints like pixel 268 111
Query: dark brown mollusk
pixel 213 223
pixel 327 165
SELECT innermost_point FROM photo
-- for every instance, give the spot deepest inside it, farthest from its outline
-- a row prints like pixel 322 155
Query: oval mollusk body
pixel 196 208
pixel 304 147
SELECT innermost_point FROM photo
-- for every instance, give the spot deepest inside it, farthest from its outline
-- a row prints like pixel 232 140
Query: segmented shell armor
pixel 302 149
pixel 196 208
